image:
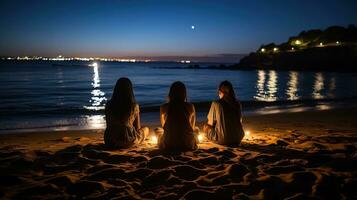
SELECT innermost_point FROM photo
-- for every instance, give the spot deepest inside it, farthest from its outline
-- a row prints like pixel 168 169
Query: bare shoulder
pixel 215 104
pixel 137 108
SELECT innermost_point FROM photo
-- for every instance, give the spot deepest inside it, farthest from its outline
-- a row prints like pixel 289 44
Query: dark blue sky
pixel 159 28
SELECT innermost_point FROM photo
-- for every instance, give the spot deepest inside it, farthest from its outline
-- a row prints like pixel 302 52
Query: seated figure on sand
pixel 224 124
pixel 123 118
pixel 178 119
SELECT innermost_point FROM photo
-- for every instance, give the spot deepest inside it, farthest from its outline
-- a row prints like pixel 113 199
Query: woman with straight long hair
pixel 224 124
pixel 123 117
pixel 178 118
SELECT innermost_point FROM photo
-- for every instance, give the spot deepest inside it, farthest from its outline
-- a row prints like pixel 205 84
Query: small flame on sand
pixel 247 135
pixel 200 138
pixel 154 139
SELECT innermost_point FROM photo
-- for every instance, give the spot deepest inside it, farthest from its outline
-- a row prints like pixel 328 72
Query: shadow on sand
pixel 93 171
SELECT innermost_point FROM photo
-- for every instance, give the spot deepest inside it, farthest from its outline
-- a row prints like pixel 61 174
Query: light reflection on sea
pixel 35 95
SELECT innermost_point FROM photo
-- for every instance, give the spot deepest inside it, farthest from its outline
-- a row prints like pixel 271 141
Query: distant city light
pixel 337 42
pixel 275 49
pixel 62 58
pixel 185 61
pixel 297 42
pixel 292 48
pixel 321 44
pixel 262 50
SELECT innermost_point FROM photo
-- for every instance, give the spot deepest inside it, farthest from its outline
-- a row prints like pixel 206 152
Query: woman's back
pixel 120 132
pixel 122 117
pixel 114 120
pixel 227 122
pixel 178 123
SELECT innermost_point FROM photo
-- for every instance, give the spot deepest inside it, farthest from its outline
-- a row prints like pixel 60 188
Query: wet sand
pixel 306 155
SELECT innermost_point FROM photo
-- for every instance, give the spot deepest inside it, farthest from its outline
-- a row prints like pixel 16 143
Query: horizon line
pixel 224 57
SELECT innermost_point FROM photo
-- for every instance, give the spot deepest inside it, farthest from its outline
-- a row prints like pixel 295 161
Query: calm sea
pixel 70 95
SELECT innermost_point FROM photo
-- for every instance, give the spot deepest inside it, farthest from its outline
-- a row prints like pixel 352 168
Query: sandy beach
pixel 305 155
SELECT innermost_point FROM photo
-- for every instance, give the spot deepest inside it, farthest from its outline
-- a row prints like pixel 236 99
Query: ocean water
pixel 70 95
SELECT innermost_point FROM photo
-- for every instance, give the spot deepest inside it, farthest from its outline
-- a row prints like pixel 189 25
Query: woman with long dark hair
pixel 123 117
pixel 178 118
pixel 224 124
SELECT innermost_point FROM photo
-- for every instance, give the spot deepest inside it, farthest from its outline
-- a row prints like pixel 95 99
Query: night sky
pixel 159 28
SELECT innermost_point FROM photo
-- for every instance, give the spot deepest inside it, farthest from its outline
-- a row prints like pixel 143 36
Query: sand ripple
pixel 296 167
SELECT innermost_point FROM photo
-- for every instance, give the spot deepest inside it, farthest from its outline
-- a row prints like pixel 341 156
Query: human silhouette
pixel 123 117
pixel 178 118
pixel 224 124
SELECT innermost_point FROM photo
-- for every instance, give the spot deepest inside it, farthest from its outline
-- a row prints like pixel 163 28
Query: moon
pixel 193 27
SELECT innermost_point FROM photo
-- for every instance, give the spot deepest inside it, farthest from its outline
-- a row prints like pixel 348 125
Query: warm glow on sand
pixel 154 139
pixel 200 137
pixel 247 135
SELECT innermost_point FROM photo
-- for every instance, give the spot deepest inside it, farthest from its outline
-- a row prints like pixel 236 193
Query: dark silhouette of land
pixel 333 49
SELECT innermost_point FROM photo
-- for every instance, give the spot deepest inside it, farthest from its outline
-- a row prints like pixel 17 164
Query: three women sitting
pixel 177 116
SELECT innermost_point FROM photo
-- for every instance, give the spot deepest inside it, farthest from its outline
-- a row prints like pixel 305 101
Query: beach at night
pixel 294 155
pixel 158 99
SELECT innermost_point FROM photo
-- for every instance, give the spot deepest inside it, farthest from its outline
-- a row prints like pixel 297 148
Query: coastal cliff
pixel 334 49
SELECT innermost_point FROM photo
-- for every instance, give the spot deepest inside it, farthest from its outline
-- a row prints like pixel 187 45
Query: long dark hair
pixel 177 92
pixel 122 103
pixel 229 97
pixel 177 97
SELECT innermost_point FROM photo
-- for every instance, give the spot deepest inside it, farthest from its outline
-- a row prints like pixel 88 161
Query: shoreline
pixel 149 115
pixel 248 122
